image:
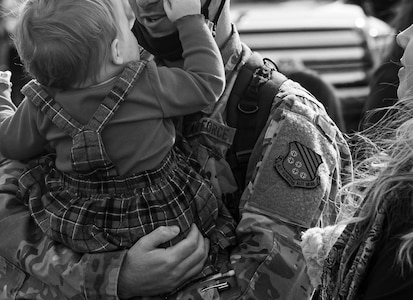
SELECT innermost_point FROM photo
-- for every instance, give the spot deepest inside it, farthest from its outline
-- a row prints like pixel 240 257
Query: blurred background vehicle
pixel 340 41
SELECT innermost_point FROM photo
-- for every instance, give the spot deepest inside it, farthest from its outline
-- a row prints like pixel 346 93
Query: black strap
pixel 248 109
pixel 205 9
pixel 205 12
pixel 219 11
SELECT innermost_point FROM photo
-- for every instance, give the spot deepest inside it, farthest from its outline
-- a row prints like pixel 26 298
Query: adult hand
pixel 148 270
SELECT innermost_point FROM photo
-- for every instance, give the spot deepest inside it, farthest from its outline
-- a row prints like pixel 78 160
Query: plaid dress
pixel 97 209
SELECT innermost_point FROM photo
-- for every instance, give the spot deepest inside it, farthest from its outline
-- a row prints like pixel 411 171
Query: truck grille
pixel 339 55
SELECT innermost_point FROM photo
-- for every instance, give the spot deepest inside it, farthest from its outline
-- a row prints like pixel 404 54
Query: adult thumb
pixel 160 235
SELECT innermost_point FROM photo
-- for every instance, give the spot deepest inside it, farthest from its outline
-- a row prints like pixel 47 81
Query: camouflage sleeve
pixel 33 265
pixel 298 165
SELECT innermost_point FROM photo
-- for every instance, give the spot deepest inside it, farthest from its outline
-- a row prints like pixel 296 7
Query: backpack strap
pixel 248 110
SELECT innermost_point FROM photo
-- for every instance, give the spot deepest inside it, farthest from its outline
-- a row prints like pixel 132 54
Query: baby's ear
pixel 116 57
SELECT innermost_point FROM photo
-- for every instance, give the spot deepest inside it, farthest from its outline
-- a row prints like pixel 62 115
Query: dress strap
pixel 53 110
pixel 88 153
pixel 116 96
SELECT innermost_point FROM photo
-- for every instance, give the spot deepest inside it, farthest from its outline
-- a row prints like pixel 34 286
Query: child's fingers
pixel 167 5
pixel 176 9
pixel 5 77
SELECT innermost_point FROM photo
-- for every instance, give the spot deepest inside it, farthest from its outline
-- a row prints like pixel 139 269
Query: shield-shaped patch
pixel 299 166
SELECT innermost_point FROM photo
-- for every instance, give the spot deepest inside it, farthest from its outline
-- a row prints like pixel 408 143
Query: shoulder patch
pixel 299 166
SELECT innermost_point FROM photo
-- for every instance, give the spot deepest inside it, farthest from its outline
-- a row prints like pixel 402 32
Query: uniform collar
pixel 231 50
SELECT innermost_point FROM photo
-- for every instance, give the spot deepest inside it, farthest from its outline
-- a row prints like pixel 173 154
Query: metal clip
pixel 219 286
pixel 230 273
pixel 212 27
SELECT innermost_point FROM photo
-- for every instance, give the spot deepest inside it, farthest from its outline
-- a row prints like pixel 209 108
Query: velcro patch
pixel 212 128
pixel 299 166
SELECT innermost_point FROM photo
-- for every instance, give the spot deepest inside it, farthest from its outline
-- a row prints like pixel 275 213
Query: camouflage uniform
pixel 300 161
pixel 298 164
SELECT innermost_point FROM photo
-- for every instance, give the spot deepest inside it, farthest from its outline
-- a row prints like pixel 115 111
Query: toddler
pixel 103 111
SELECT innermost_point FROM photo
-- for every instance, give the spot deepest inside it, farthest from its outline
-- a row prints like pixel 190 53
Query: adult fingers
pixel 160 235
pixel 190 254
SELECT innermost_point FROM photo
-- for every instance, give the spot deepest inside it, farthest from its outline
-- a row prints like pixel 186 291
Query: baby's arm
pixel 19 134
pixel 201 80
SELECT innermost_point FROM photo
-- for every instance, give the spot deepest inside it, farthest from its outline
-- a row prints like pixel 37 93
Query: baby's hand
pixel 5 77
pixel 176 9
pixel 5 83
